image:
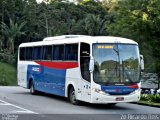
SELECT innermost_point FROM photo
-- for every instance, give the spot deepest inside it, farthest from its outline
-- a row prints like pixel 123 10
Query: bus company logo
pixel 35 69
pixel 117 90
pixel 113 90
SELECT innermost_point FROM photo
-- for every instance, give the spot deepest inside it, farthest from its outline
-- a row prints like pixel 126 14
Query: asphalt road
pixel 17 103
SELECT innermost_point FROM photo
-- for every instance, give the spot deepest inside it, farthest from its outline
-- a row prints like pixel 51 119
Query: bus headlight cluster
pixel 99 91
pixel 136 91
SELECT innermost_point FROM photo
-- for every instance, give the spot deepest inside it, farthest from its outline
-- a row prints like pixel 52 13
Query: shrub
pixel 144 97
pixel 7 58
pixel 150 98
pixel 3 82
pixel 154 98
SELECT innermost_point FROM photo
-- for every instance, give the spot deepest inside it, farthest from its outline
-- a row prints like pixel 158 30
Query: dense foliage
pixel 26 20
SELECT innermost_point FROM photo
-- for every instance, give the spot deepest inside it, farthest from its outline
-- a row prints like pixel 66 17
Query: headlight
pixel 99 91
pixel 136 91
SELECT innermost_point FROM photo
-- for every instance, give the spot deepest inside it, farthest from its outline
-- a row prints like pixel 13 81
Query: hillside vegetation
pixel 8 74
pixel 28 21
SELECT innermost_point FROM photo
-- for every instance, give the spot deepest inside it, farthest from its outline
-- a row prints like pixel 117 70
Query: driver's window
pixel 84 61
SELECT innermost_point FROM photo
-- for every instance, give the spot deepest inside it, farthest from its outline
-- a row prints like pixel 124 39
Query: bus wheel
pixel 72 97
pixel 111 104
pixel 32 89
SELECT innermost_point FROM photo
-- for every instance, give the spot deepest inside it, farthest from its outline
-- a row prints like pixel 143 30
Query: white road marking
pixel 22 110
pixel 4 104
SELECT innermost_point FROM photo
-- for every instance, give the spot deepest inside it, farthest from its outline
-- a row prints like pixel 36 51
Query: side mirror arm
pixel 91 64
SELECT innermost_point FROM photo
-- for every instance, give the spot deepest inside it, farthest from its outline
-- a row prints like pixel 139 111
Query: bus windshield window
pixel 116 64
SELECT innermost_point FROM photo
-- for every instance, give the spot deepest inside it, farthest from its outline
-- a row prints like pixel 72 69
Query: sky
pixel 39 1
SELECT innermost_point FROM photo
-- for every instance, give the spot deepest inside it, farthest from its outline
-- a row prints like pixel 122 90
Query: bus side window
pixel 71 52
pixel 84 61
pixel 29 53
pixel 58 52
pixel 22 53
pixel 47 52
pixel 37 53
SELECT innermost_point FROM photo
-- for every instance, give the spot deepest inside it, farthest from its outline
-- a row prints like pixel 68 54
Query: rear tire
pixel 32 88
pixel 111 104
pixel 72 97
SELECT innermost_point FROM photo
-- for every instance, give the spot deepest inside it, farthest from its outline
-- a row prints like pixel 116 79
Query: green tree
pixel 139 21
pixel 92 25
pixel 11 32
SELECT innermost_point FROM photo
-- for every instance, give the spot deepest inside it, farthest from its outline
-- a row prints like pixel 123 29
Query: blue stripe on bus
pixel 46 79
pixel 118 90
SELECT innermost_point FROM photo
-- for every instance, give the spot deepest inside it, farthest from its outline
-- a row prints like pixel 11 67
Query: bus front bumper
pixel 99 98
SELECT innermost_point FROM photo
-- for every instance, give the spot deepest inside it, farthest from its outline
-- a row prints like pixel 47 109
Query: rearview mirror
pixel 142 62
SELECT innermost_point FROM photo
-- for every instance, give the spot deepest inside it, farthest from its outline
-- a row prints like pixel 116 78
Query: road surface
pixel 17 103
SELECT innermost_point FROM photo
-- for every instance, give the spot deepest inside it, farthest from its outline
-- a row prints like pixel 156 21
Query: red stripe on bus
pixel 58 65
pixel 134 86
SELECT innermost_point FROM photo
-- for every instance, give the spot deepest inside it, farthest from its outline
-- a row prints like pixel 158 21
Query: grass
pixel 150 103
pixel 8 74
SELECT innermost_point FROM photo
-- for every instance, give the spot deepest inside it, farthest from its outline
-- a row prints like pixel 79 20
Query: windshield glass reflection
pixel 116 63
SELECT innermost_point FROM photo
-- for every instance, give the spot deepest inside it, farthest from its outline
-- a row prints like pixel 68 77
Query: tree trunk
pixel 12 47
pixel 8 46
pixel 1 44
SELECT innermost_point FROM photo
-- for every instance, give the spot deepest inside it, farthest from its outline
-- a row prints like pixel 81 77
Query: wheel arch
pixel 69 86
pixel 29 82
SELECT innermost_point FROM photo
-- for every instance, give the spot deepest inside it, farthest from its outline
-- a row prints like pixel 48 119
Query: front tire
pixel 72 97
pixel 111 104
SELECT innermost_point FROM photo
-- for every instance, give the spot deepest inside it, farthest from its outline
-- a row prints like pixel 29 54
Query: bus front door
pixel 85 73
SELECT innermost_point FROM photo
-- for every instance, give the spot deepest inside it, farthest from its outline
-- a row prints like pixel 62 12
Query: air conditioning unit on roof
pixel 62 37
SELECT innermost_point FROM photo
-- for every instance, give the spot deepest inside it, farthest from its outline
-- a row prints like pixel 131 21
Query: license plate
pixel 119 98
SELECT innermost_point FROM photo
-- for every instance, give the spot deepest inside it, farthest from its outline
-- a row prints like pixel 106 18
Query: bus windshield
pixel 116 64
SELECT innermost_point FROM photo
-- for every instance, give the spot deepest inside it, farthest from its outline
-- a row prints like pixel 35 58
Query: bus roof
pixel 66 39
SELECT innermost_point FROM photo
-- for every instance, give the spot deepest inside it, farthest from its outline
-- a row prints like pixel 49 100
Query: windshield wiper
pixel 117 52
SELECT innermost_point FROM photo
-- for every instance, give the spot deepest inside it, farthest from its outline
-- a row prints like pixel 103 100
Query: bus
pixel 93 69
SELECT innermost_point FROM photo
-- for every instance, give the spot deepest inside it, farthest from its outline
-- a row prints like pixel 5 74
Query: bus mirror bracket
pixel 91 64
pixel 142 62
